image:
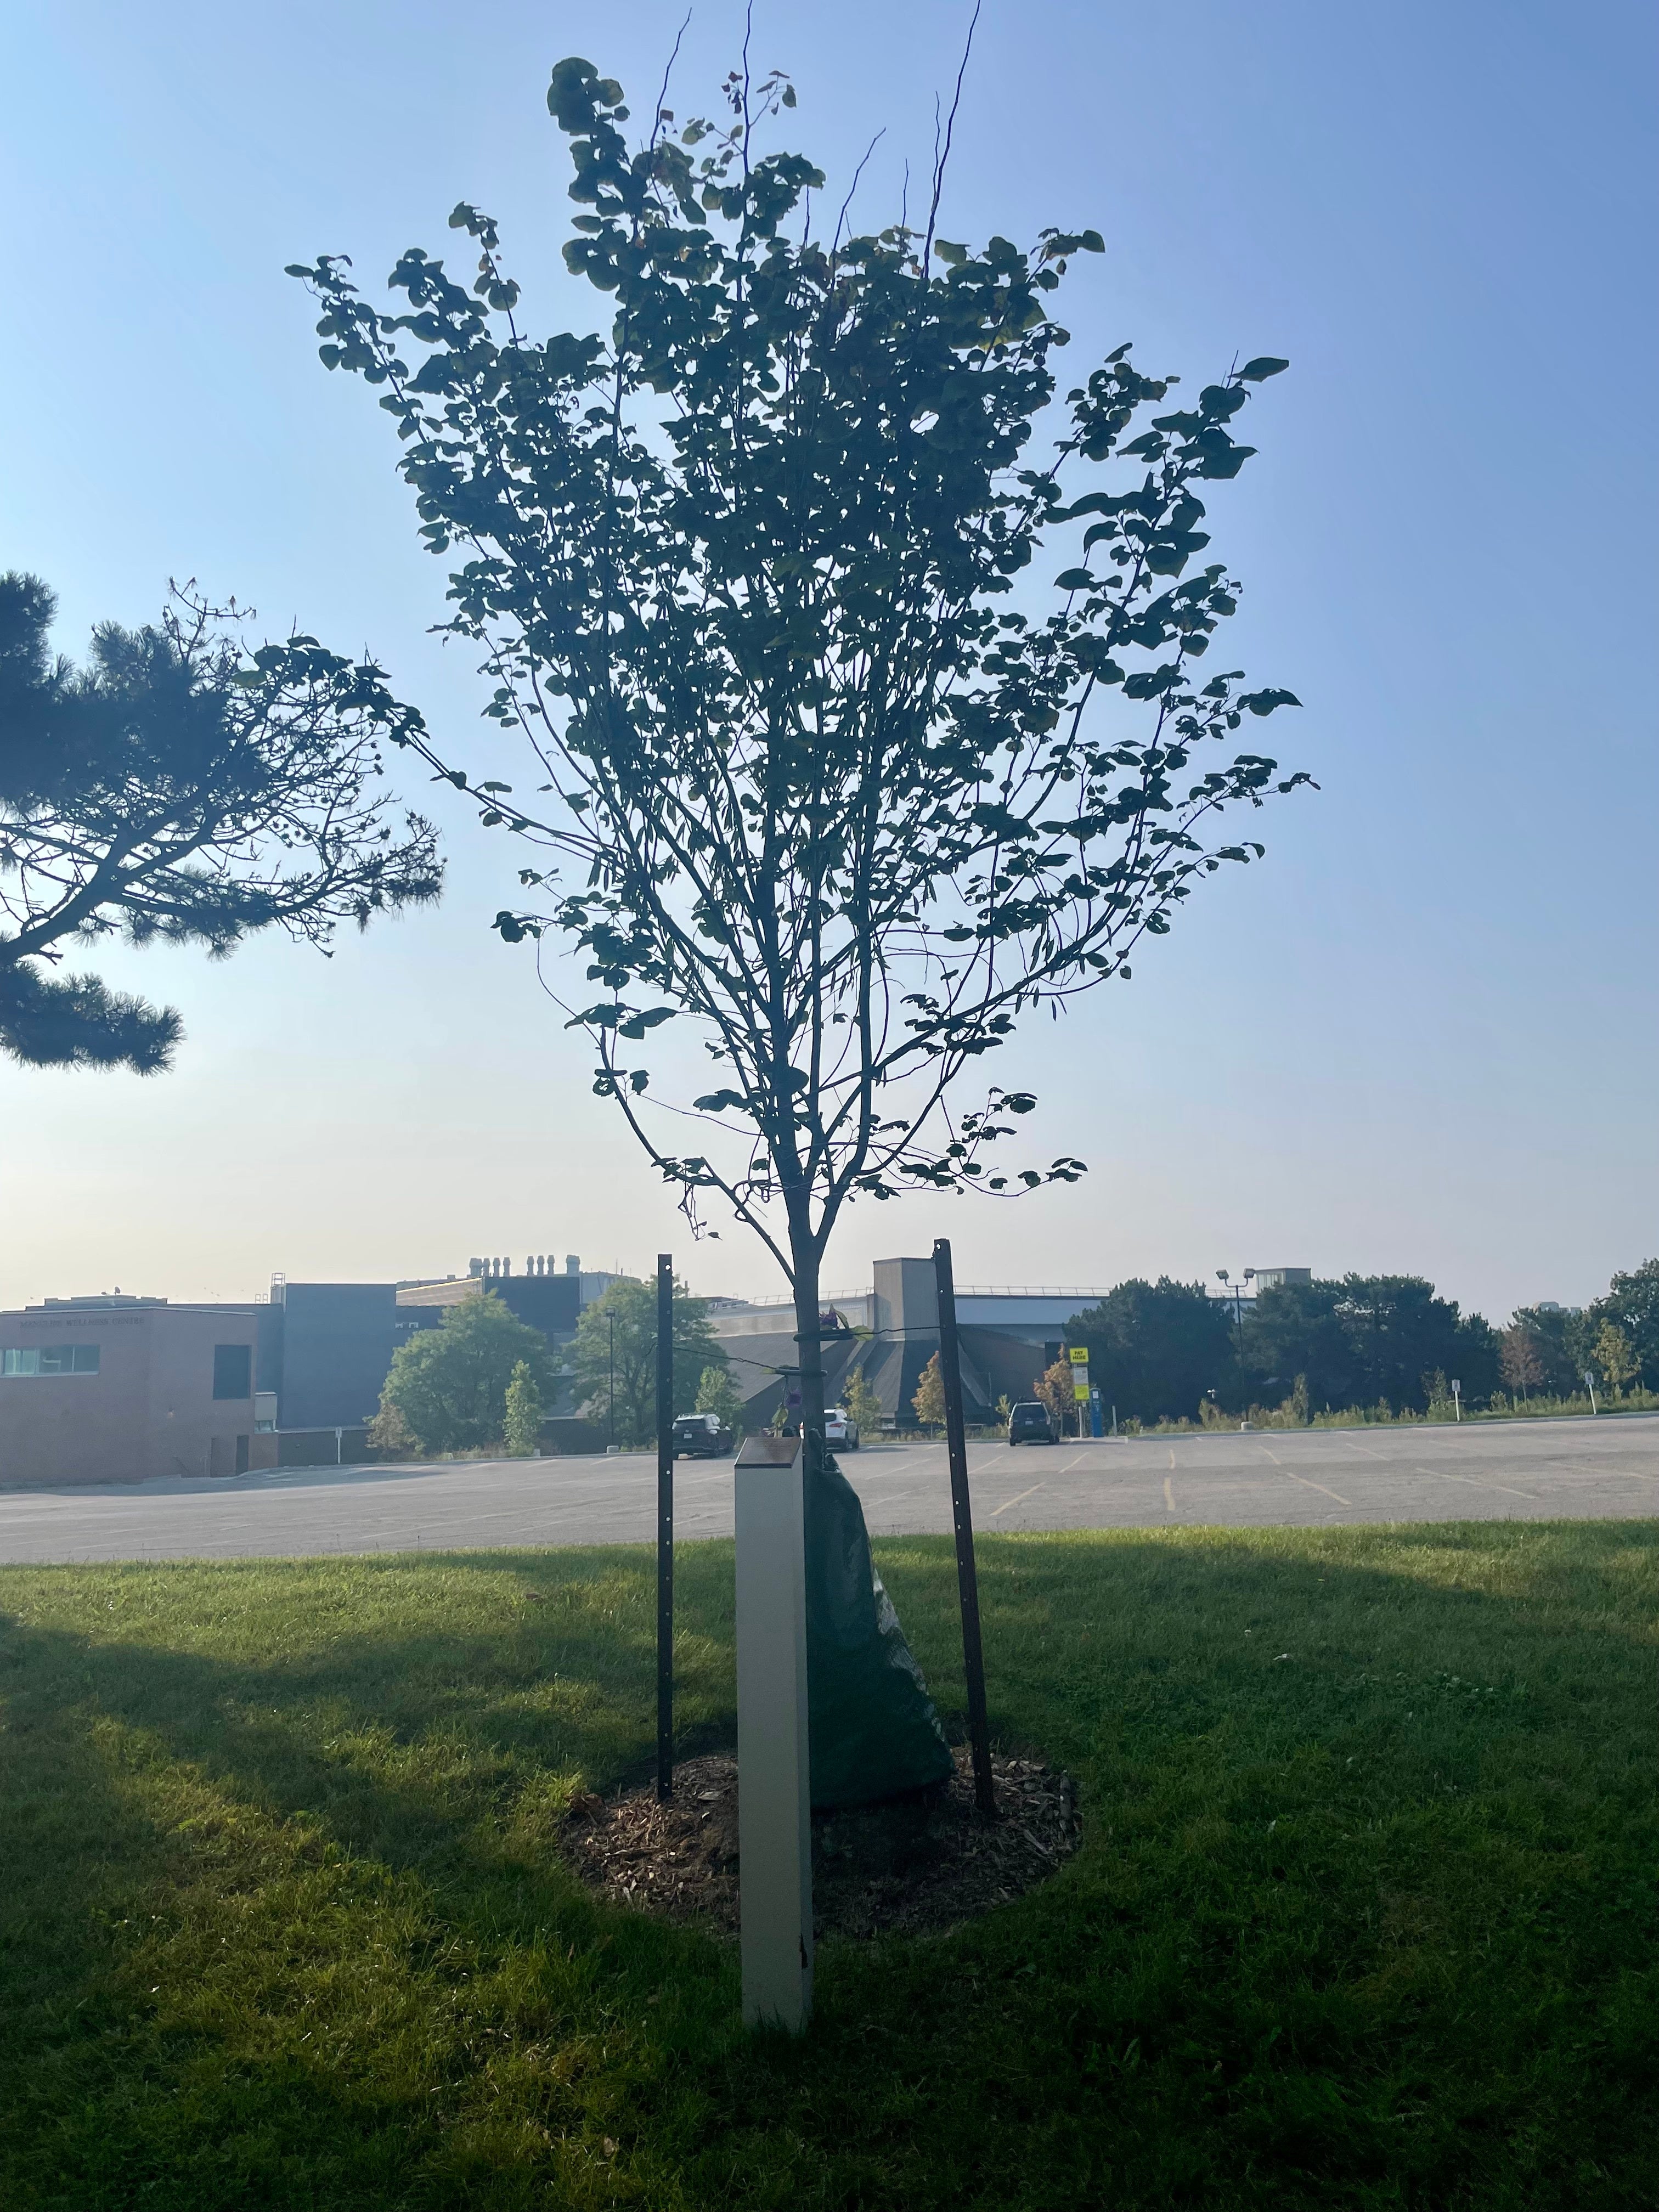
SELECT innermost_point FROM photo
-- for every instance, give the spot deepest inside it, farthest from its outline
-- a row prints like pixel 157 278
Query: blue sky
pixel 1420 1037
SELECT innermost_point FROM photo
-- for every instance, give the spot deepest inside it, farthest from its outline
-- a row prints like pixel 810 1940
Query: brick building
pixel 124 1389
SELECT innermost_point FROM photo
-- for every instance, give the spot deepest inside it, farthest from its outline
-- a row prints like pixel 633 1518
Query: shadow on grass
pixel 1364 1916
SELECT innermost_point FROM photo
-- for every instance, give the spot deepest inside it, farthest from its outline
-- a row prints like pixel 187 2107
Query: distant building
pixel 118 1389
pixel 125 1389
pixel 1275 1279
pixel 891 1331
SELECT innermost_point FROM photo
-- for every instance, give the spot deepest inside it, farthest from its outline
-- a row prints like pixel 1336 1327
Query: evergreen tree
pixel 177 791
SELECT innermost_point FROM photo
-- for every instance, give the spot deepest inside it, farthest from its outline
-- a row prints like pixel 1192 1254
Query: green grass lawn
pixel 1364 1913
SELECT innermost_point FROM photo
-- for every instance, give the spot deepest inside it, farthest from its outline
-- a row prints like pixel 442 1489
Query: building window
pixel 232 1370
pixel 51 1359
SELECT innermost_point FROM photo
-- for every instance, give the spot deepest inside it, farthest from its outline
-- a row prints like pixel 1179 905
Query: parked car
pixel 700 1436
pixel 838 1428
pixel 1032 1423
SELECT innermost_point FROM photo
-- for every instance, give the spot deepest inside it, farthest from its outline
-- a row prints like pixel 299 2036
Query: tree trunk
pixel 808 1358
pixel 874 1732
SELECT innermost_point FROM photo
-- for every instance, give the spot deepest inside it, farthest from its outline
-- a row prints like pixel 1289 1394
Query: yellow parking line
pixel 1169 1494
pixel 1318 1487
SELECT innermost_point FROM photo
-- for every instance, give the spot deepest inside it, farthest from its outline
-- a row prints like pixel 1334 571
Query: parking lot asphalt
pixel 1585 1469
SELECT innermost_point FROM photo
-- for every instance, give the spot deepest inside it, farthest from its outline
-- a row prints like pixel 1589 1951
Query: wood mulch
pixel 924 1861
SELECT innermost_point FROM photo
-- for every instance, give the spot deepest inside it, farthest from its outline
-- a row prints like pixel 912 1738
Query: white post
pixel 774 1780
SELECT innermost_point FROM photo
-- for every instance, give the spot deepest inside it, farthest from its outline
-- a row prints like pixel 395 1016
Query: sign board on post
pixel 775 1778
pixel 1078 1355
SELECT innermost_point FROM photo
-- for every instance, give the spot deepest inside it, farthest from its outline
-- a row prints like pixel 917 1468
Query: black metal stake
pixel 665 1527
pixel 973 1656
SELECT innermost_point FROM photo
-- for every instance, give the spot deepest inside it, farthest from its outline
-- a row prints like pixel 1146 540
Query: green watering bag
pixel 873 1728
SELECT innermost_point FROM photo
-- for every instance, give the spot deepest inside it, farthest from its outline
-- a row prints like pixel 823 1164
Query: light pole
pixel 611 1390
pixel 1236 1292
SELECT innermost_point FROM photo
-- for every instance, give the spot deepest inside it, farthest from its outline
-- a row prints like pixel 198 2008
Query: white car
pixel 838 1429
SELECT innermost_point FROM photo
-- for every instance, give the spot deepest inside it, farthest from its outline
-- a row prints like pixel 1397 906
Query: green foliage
pixel 175 791
pixel 1365 1340
pixel 1157 1348
pixel 718 1394
pixel 626 1318
pixel 448 1386
pixel 743 567
pixel 1613 1356
pixel 1054 1387
pixel 861 1405
pixel 521 1423
pixel 1364 1914
pixel 929 1396
pixel 1632 1304
pixel 1522 1358
pixel 390 1435
pixel 1560 1343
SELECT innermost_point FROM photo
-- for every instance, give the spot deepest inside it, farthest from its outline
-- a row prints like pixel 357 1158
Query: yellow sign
pixel 1080 1392
pixel 1078 1355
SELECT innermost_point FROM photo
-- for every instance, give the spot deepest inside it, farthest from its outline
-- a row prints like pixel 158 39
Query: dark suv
pixel 700 1436
pixel 1032 1423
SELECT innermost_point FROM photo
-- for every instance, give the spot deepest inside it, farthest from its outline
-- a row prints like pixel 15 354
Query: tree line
pixel 483 1379
pixel 1166 1350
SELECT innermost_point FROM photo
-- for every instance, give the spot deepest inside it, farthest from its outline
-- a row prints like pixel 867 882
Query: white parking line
pixel 1306 1485
pixel 1441 1475
pixel 1169 1494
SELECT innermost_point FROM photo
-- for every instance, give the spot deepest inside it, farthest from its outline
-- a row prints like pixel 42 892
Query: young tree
pixel 1613 1356
pixel 1632 1304
pixel 448 1385
pixel 615 1349
pixel 717 1394
pixel 929 1397
pixel 861 1405
pixel 522 1420
pixel 1522 1363
pixel 1054 1387
pixel 176 789
pixel 811 777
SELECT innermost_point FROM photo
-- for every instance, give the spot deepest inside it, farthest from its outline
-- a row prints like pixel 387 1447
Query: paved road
pixel 1582 1469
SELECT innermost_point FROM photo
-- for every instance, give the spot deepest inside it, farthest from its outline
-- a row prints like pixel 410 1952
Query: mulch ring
pixel 926 1861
